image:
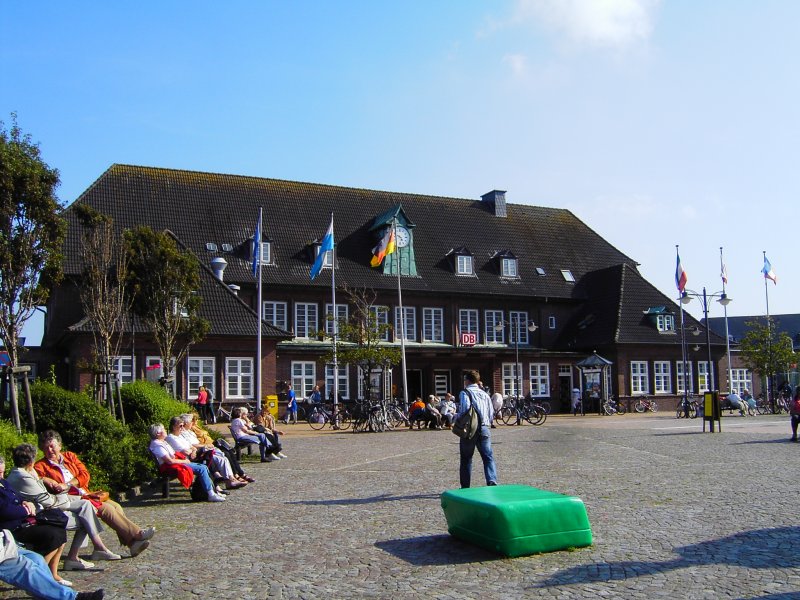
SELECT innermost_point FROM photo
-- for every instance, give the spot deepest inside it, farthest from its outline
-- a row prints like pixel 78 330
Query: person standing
pixel 576 400
pixel 794 411
pixel 291 405
pixel 202 403
pixel 474 395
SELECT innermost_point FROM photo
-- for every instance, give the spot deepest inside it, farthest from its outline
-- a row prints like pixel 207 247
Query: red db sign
pixel 469 339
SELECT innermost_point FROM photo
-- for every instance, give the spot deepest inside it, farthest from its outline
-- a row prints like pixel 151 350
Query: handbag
pixel 52 516
pixel 98 496
pixel 223 444
pixel 469 423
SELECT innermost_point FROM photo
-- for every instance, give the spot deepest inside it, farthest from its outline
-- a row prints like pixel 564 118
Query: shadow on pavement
pixel 435 550
pixel 370 500
pixel 757 549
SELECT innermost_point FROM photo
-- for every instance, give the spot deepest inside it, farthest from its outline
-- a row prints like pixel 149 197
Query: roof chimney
pixel 496 200
pixel 218 266
pixel 234 288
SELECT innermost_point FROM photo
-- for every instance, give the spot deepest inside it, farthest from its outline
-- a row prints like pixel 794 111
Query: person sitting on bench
pixel 243 433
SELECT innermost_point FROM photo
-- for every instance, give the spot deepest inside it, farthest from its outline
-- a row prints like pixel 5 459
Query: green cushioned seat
pixel 516 520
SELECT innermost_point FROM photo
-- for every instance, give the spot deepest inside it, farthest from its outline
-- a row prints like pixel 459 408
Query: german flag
pixel 384 248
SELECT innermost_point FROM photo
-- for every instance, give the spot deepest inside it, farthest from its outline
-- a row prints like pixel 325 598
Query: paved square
pixel 675 514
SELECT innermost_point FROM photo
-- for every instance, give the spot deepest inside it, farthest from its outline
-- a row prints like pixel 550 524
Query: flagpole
pixel 259 310
pixel 683 352
pixel 402 318
pixel 335 326
pixel 724 276
pixel 769 330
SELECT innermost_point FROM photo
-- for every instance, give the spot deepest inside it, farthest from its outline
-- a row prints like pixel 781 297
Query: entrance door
pixel 414 378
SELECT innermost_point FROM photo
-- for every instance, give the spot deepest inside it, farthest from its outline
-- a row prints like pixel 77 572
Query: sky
pixel 657 123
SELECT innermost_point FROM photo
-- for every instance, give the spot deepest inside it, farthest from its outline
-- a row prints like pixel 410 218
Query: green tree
pixel 103 294
pixel 32 232
pixel 163 281
pixel 765 350
pixel 360 338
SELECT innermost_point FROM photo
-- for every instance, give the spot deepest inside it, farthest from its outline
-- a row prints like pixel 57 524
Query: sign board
pixel 4 359
pixel 469 339
pixel 711 411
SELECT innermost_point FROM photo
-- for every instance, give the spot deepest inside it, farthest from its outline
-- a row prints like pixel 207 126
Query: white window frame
pixel 468 321
pixel 508 267
pixel 380 316
pixel 741 379
pixel 679 379
pixel 306 320
pixel 464 264
pixel 539 379
pixel 640 380
pixel 343 387
pixel 304 377
pixel 665 322
pixel 342 314
pixel 662 377
pixel 205 374
pixel 492 318
pixel 432 324
pixel 411 323
pixel 272 314
pixel 238 379
pixel 702 376
pixel 511 379
pixel 125 367
pixel 518 319
pixel 327 260
pixel 567 275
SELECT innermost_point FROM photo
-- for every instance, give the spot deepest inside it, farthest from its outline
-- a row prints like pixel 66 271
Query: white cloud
pixel 605 23
pixel 517 63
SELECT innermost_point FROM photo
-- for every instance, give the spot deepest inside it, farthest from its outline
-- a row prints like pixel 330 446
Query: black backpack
pixel 198 492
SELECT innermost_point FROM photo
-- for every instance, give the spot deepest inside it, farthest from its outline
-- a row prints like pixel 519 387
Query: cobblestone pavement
pixel 675 513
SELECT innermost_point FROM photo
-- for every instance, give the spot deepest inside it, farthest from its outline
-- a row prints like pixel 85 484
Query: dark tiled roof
pixel 206 207
pixel 226 312
pixel 737 326
pixel 616 312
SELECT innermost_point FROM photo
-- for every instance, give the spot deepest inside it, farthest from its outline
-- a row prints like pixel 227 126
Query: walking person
pixel 794 411
pixel 291 405
pixel 474 395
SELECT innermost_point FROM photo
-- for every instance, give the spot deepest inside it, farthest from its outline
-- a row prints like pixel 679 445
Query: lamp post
pixel 514 330
pixel 724 300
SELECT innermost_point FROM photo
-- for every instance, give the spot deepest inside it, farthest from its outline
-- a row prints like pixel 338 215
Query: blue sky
pixel 657 123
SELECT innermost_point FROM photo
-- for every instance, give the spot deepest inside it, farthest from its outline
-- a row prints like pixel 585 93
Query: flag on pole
pixel 768 272
pixel 325 246
pixel 680 276
pixel 257 246
pixel 724 274
pixel 384 248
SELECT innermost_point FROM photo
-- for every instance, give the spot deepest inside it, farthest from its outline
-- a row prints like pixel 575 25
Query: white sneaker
pixel 270 458
pixel 214 497
pixel 281 455
pixel 276 456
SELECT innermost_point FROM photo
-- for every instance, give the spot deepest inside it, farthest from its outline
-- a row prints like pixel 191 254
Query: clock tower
pixel 403 256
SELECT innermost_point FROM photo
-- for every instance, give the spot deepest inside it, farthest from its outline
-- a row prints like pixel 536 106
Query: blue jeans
pixel 264 444
pixel 201 471
pixel 29 572
pixel 483 441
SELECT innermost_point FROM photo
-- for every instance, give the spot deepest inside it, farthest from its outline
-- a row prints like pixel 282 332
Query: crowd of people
pixel 42 500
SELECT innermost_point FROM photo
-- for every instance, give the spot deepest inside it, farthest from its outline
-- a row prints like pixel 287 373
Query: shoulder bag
pixel 469 423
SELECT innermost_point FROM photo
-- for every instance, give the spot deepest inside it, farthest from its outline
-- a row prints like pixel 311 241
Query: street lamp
pixel 724 300
pixel 514 333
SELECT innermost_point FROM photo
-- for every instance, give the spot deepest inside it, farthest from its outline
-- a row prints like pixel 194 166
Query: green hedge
pixel 9 438
pixel 146 403
pixel 116 458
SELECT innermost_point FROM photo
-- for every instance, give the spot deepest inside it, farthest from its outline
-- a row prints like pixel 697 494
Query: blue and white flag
pixel 257 246
pixel 768 272
pixel 325 246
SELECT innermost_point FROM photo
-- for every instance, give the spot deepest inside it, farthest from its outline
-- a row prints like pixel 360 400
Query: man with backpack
pixel 473 395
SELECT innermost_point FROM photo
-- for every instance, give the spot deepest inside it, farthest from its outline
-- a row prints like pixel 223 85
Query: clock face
pixel 403 237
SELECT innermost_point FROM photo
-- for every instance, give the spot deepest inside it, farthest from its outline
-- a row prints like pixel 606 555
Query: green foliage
pixel 115 457
pixel 146 403
pixel 9 438
pixel 163 281
pixel 766 350
pixel 32 233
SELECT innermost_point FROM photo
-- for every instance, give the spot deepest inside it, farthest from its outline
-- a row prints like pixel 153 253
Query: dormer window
pixel 266 252
pixel 327 260
pixel 508 267
pixel 464 265
pixel 665 322
pixel 211 246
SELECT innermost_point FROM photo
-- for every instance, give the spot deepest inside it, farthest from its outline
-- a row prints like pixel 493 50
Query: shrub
pixel 9 438
pixel 146 403
pixel 115 457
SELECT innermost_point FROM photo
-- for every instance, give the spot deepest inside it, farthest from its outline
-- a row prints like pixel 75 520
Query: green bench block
pixel 516 520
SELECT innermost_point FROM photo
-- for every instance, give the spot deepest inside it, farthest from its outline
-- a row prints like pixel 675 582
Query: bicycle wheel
pixel 397 418
pixel 620 408
pixel 317 419
pixel 654 406
pixel 301 413
pixel 608 409
pixel 508 415
pixel 639 406
pixel 538 417
pixel 545 406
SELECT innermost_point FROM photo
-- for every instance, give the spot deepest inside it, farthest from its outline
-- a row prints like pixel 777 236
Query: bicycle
pixel 644 404
pixel 613 407
pixel 693 406
pixel 518 410
pixel 320 415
